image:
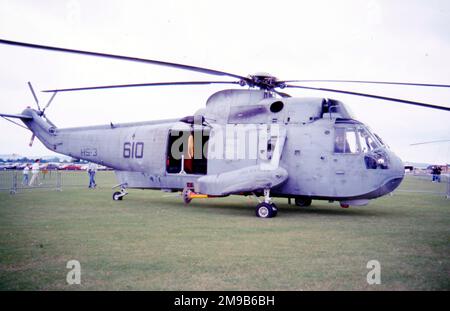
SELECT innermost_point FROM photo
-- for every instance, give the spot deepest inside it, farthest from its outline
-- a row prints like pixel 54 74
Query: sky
pixel 401 40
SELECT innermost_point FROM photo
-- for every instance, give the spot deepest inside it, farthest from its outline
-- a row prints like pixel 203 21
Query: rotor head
pixel 263 80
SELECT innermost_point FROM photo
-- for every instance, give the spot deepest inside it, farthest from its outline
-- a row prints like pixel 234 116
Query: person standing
pixel 26 175
pixel 438 173
pixel 35 173
pixel 92 169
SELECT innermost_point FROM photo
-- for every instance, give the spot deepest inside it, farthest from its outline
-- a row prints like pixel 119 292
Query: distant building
pixel 409 168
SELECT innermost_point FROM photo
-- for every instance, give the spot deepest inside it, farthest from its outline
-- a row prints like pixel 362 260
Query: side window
pixel 339 140
pixel 351 141
pixel 346 141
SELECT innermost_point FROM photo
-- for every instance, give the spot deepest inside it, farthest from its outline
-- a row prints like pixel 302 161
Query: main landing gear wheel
pixel 275 209
pixel 303 201
pixel 117 196
pixel 266 210
pixel 185 195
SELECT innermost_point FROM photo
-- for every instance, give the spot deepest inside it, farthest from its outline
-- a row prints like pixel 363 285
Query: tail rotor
pixel 34 95
pixel 32 140
pixel 49 102
pixel 41 111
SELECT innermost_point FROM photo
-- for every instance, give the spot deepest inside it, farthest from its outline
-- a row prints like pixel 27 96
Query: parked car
pixel 103 168
pixel 71 167
pixel 10 166
pixel 49 167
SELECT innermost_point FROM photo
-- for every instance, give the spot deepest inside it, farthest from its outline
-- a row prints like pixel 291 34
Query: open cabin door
pixel 187 151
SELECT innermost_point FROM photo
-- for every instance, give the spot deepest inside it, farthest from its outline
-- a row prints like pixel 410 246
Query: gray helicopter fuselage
pixel 287 144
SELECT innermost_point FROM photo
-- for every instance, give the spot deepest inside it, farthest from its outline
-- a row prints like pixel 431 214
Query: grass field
pixel 151 241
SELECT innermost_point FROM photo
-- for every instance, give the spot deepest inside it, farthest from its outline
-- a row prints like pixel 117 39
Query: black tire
pixel 265 210
pixel 275 209
pixel 303 201
pixel 185 195
pixel 117 196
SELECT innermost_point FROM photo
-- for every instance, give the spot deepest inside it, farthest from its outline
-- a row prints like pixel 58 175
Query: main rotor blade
pixel 121 57
pixel 141 84
pixel 371 96
pixel 49 102
pixel 371 82
pixel 284 95
pixel 431 142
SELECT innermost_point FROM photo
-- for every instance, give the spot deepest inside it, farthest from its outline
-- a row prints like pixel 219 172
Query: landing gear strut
pixel 266 209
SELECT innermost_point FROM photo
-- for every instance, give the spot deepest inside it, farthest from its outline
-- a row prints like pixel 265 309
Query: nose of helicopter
pixel 395 174
pixel 398 168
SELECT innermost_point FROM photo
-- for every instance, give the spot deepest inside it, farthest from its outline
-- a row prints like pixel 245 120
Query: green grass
pixel 151 241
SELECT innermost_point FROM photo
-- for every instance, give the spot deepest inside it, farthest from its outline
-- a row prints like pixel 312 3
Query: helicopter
pixel 257 141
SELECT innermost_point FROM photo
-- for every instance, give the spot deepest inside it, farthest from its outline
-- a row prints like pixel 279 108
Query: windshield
pixel 368 141
pixel 380 140
pixel 355 139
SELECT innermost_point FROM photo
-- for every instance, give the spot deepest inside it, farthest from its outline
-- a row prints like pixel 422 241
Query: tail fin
pixel 18 116
pixel 40 127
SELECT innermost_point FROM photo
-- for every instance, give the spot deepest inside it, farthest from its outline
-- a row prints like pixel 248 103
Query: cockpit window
pixel 355 139
pixel 367 141
pixel 346 140
pixel 380 140
pixel 352 142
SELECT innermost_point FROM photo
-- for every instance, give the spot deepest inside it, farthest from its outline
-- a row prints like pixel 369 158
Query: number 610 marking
pixel 133 150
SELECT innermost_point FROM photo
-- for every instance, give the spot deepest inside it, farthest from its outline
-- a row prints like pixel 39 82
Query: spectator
pixel 438 173
pixel 26 174
pixel 44 171
pixel 92 169
pixel 35 174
